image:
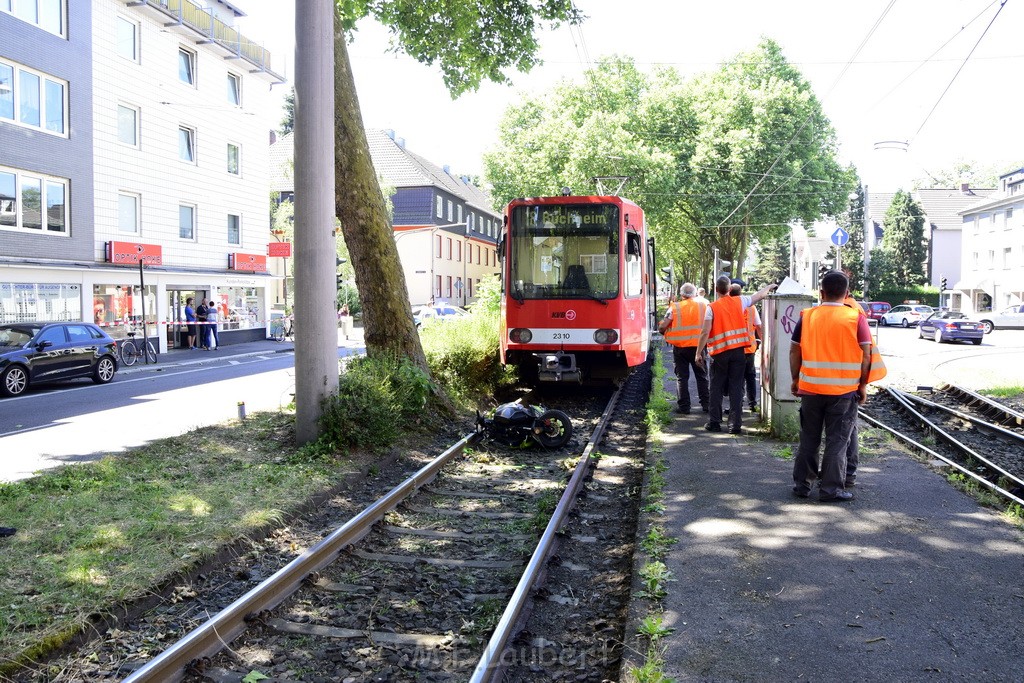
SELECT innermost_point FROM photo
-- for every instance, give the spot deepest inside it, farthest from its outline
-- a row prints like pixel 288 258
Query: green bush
pixel 925 295
pixel 463 354
pixel 377 398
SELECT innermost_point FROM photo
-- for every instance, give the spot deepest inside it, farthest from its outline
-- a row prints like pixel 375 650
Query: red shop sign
pixel 130 253
pixel 251 263
pixel 279 249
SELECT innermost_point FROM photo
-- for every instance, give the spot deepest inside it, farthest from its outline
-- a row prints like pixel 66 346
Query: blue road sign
pixel 840 237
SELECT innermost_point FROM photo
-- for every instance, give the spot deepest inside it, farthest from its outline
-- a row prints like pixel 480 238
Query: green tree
pixel 975 174
pixel 731 156
pixel 904 240
pixel 288 122
pixel 772 264
pixel 470 42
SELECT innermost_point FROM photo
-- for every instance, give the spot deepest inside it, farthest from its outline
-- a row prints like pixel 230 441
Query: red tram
pixel 578 288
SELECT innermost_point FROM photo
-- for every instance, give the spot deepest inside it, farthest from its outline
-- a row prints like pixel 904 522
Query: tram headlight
pixel 520 335
pixel 606 336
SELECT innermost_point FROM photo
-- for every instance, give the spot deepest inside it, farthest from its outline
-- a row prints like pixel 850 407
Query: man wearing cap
pixel 725 336
pixel 681 327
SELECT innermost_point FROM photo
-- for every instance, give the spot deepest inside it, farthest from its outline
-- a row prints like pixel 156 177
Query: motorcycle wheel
pixel 556 429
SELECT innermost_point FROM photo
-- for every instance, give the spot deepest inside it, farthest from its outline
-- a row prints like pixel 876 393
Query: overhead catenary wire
pixel 807 119
pixel 962 65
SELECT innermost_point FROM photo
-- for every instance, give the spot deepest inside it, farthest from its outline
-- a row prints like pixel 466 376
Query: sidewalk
pixel 180 357
pixel 910 581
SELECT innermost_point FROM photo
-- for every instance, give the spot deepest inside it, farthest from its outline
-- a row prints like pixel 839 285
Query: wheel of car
pixel 920 332
pixel 104 371
pixel 14 381
pixel 905 323
pixel 883 321
pixel 987 326
pixel 938 336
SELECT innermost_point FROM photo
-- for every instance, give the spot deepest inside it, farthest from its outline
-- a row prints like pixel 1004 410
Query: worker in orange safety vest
pixel 876 373
pixel 829 359
pixel 681 326
pixel 725 336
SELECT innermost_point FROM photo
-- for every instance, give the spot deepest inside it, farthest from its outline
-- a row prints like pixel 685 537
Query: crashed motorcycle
pixel 518 423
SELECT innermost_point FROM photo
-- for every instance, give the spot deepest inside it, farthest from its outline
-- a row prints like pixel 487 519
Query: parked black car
pixel 33 353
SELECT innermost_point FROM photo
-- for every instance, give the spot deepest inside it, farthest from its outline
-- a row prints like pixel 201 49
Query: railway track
pixel 977 437
pixel 431 582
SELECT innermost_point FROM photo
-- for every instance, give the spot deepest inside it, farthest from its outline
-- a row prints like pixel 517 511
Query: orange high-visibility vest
pixel 728 327
pixel 749 312
pixel 687 321
pixel 878 370
pixel 830 355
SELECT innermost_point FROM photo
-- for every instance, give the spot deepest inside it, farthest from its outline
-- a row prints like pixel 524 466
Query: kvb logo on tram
pixel 567 315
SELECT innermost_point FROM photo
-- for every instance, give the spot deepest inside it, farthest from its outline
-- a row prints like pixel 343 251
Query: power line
pixel 950 85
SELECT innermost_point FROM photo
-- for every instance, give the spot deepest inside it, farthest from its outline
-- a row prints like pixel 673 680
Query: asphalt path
pixel 80 421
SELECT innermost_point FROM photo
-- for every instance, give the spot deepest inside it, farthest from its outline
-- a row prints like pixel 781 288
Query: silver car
pixel 1011 317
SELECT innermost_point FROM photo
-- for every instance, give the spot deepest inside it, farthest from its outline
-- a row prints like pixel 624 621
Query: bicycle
pixel 130 351
pixel 281 329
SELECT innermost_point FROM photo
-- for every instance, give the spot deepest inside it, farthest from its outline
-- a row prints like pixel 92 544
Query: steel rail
pixel 491 665
pixel 935 454
pixel 1009 415
pixel 214 634
pixel 976 421
pixel 906 399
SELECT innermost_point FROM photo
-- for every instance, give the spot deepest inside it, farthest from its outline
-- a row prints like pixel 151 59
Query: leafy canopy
pixel 470 41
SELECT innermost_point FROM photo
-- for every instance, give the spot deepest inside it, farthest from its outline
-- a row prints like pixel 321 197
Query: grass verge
pixel 94 536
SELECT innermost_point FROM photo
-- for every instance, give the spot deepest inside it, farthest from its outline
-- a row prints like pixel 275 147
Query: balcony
pixel 190 15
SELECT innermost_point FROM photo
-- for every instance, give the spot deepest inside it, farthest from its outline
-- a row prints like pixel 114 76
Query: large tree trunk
pixel 387 316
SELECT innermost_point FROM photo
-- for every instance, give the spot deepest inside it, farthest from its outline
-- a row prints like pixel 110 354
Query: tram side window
pixel 634 274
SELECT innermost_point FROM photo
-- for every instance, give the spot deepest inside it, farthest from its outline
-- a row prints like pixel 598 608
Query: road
pixel 998 362
pixel 81 422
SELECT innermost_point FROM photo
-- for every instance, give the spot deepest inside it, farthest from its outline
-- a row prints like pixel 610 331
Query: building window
pixel 234 155
pixel 438 246
pixel 186 144
pixel 449 211
pixel 33 201
pixel 991 258
pixel 1008 219
pixel 234 229
pixel 439 204
pixel 458 253
pixel 1007 257
pixel 449 246
pixel 235 90
pixel 459 211
pixel 32 98
pixel 128 125
pixel 472 221
pixel 187 222
pixel 448 286
pixel 46 14
pixel 128 213
pixel 29 302
pixel 127 39
pixel 437 286
pixel 186 66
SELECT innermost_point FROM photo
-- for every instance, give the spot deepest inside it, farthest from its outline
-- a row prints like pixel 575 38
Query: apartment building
pixel 992 250
pixel 161 160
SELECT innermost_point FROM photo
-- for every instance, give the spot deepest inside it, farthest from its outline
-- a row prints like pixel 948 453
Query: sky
pixel 884 70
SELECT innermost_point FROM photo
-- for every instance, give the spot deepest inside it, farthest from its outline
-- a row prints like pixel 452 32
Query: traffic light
pixel 340 261
pixel 341 281
pixel 942 285
pixel 669 274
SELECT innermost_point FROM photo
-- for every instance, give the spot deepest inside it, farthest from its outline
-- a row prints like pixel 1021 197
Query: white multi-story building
pixel 993 250
pixel 173 107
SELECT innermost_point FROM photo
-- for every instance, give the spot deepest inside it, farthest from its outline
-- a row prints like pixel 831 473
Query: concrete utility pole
pixel 316 337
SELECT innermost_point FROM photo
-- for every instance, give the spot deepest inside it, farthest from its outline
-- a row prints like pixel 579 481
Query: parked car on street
pixel 950 326
pixel 905 315
pixel 33 353
pixel 875 309
pixel 437 312
pixel 1011 317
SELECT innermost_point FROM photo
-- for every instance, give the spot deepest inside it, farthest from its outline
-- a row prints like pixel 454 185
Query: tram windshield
pixel 564 252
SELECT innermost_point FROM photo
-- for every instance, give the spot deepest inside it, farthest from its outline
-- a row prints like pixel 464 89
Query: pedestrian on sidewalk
pixel 204 332
pixel 681 326
pixel 190 323
pixel 212 316
pixel 725 336
pixel 829 360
